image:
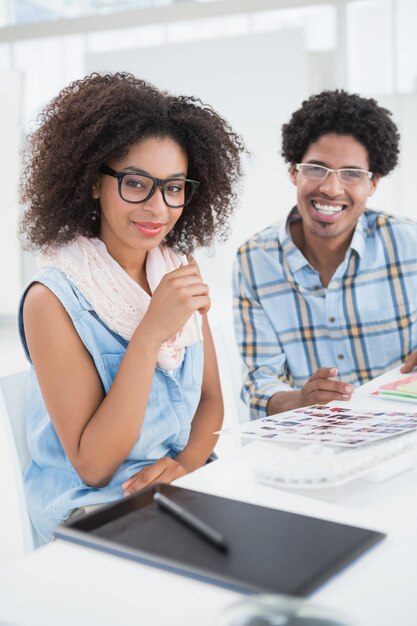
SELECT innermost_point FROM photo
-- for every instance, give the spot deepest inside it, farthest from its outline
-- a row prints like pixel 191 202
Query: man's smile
pixel 324 210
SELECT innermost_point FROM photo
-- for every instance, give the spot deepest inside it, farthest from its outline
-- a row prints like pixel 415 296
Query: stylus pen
pixel 197 524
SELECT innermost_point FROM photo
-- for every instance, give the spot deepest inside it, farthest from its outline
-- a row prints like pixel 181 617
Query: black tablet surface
pixel 269 550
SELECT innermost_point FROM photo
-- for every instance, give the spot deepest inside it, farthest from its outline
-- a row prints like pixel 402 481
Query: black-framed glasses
pixel 346 175
pixel 136 188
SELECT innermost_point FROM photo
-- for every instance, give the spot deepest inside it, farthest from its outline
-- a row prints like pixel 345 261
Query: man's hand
pixel 164 470
pixel 410 363
pixel 319 389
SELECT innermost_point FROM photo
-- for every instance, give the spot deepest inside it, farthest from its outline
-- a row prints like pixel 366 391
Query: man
pixel 327 299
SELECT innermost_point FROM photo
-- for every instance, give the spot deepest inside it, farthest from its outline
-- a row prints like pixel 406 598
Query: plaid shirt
pixel 288 325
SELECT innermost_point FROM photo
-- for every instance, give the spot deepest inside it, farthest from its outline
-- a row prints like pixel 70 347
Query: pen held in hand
pixel 190 520
pixel 198 325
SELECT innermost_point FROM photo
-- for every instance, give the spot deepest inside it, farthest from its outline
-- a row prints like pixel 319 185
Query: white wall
pixel 396 192
pixel 10 265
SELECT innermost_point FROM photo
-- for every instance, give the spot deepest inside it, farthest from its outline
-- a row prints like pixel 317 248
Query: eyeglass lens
pixel 346 175
pixel 136 188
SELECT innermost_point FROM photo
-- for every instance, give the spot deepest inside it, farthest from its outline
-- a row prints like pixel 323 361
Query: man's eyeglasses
pixel 346 175
pixel 137 188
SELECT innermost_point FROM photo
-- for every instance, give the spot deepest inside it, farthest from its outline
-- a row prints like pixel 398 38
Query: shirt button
pixel 316 287
pixel 340 357
pixel 332 319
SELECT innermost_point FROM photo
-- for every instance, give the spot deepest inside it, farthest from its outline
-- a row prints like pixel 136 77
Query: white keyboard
pixel 317 467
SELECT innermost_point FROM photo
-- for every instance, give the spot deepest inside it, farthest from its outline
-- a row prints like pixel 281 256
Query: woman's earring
pixel 95 213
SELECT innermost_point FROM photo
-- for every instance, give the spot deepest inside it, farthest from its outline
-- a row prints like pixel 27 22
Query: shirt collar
pixel 296 259
pixel 359 236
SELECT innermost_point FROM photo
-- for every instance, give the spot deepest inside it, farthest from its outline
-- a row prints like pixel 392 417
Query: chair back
pixel 231 369
pixel 13 388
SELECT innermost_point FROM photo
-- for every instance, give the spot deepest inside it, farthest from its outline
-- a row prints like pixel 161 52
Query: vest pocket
pixel 196 360
pixel 110 364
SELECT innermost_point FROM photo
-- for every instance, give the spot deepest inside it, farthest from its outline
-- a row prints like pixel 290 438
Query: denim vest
pixel 53 487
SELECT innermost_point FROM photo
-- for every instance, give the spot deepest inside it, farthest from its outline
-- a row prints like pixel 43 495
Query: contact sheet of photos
pixel 328 425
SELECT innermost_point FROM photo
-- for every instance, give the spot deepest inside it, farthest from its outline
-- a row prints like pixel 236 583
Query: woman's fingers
pixel 141 481
pixel 179 294
pixel 145 477
pixel 164 470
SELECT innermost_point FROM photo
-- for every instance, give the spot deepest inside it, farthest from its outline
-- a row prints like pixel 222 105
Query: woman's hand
pixel 164 470
pixel 179 294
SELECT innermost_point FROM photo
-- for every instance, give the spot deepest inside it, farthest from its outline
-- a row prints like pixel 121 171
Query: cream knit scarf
pixel 116 298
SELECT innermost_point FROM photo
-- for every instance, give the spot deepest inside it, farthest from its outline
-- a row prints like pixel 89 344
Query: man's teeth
pixel 326 209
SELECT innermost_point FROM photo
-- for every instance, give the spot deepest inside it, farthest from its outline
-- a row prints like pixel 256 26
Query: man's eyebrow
pixel 315 162
pixel 136 170
pixel 344 167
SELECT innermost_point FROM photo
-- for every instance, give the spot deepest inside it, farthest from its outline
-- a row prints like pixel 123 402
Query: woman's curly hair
pixel 96 120
pixel 344 114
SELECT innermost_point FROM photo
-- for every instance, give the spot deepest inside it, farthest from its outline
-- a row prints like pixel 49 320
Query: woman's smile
pixel 149 229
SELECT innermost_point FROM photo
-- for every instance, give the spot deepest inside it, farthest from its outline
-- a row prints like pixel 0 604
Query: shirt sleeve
pixel 257 341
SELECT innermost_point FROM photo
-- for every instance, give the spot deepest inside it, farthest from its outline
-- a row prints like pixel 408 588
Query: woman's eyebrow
pixel 137 170
pixel 133 168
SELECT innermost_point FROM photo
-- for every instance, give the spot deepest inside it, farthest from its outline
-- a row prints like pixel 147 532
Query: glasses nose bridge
pixel 328 178
pixel 158 183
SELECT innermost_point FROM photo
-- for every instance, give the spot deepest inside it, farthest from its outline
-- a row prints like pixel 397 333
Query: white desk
pixel 65 584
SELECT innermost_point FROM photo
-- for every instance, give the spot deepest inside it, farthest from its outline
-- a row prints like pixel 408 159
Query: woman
pixel 121 183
